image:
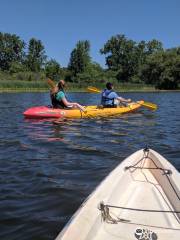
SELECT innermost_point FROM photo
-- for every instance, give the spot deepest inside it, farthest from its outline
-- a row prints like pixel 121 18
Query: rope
pixel 137 209
pixel 104 208
pixel 165 171
pixel 106 217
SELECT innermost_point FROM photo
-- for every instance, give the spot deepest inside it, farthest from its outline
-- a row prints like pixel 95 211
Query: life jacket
pixel 56 103
pixel 106 100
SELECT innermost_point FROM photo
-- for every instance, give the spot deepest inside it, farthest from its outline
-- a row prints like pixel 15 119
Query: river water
pixel 47 170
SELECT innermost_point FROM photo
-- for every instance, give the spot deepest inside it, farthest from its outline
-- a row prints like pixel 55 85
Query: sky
pixel 60 24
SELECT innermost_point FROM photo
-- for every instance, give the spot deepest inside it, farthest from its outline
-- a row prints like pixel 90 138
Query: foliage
pixel 154 46
pixel 126 56
pixel 53 70
pixel 20 84
pixel 91 75
pixel 162 69
pixel 29 76
pixel 36 57
pixel 129 63
pixel 16 67
pixel 11 50
pixel 121 56
pixel 80 58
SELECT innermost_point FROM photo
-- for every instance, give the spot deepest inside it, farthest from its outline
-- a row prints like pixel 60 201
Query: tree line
pixel 126 61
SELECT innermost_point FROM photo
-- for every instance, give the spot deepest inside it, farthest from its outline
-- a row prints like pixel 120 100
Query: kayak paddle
pixel 149 105
pixel 93 90
pixel 51 83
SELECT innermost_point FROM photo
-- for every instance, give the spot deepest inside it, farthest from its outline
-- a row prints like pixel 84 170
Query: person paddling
pixel 109 98
pixel 59 100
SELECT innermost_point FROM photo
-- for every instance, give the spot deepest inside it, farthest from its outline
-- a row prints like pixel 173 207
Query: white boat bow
pixel 139 199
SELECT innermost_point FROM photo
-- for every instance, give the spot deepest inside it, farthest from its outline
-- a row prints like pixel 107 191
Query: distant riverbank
pixel 42 86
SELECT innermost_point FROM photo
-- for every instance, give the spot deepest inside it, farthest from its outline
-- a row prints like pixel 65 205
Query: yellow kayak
pixel 91 111
pixel 95 111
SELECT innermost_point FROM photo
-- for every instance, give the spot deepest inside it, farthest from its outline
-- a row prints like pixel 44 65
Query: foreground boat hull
pixel 91 111
pixel 140 199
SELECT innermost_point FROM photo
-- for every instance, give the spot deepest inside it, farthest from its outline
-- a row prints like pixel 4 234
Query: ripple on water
pixel 48 169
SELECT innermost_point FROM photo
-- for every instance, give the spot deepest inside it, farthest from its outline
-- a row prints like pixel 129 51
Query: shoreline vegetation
pixel 42 86
pixel 131 66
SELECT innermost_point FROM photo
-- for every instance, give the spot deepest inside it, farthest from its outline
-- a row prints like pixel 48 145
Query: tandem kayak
pixel 91 111
pixel 140 199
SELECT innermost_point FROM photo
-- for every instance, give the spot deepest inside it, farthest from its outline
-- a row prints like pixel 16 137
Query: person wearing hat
pixel 109 98
pixel 59 99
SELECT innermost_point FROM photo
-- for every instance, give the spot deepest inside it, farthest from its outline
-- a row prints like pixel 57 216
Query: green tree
pixel 80 58
pixel 16 67
pixel 11 50
pixel 36 57
pixel 170 77
pixel 121 56
pixel 92 74
pixel 53 69
pixel 162 69
pixel 154 46
pixel 152 68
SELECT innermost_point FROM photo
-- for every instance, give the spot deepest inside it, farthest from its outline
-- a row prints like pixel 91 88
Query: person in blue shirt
pixel 109 98
pixel 58 98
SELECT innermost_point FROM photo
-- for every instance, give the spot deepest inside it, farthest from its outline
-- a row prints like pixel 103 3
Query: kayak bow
pixel 139 199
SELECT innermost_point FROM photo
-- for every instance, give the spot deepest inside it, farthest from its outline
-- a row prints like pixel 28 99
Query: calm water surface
pixel 47 170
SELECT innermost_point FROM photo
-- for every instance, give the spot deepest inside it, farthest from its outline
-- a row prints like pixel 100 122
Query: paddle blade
pixel 150 105
pixel 51 83
pixel 93 90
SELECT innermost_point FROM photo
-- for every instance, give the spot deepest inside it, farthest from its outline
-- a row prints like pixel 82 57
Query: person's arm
pixel 124 100
pixel 121 99
pixel 72 104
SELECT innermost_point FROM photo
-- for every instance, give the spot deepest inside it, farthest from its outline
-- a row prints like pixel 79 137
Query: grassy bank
pixel 42 86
